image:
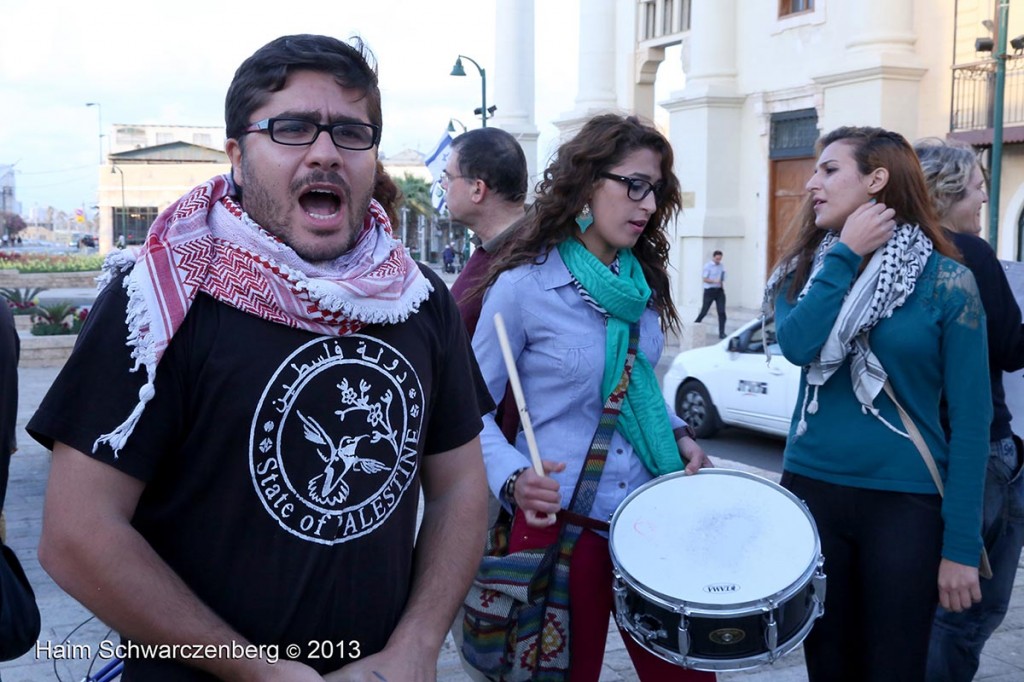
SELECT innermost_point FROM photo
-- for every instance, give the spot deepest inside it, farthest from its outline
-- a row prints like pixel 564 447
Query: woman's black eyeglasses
pixel 637 188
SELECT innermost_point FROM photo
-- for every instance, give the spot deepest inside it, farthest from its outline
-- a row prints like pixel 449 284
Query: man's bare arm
pixel 90 548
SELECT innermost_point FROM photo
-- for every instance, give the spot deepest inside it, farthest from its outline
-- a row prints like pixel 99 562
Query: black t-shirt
pixel 281 467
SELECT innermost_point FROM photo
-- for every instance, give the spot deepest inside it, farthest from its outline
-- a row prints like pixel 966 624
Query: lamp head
pixel 457 70
pixel 983 45
pixel 1018 43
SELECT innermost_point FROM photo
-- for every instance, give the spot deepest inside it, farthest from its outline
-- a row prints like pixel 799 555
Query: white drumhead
pixel 718 537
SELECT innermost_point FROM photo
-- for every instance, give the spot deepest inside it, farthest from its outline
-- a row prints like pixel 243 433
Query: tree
pixel 11 223
pixel 415 194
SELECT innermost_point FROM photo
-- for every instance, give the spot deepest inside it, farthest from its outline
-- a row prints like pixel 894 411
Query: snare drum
pixel 721 570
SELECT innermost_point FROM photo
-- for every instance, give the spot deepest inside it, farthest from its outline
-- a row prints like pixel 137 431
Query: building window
pixel 164 138
pixel 133 222
pixel 130 136
pixel 793 134
pixel 202 139
pixel 787 7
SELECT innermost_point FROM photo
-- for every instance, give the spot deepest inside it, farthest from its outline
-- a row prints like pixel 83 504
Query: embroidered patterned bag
pixel 516 615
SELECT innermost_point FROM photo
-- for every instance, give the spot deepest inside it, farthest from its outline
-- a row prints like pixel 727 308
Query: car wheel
pixel 694 405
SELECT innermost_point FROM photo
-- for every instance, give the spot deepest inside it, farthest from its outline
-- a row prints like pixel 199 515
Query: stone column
pixel 705 119
pixel 513 81
pixel 882 69
pixel 596 88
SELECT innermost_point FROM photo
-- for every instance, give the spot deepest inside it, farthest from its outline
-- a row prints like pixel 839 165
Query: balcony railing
pixel 662 21
pixel 974 95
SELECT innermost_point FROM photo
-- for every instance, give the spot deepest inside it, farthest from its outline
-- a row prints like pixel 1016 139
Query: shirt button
pixel 618 451
pixel 622 484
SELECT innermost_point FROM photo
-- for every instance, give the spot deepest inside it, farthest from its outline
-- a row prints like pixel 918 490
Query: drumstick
pixel 517 391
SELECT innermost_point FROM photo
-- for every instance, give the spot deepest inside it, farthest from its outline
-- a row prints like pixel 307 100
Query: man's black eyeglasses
pixel 637 188
pixel 298 132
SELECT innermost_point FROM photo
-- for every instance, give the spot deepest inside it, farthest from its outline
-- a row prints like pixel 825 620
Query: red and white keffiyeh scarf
pixel 204 242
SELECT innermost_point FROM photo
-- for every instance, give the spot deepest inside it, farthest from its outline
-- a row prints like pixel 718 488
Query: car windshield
pixel 752 339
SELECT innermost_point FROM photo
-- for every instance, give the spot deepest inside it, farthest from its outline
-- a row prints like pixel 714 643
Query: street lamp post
pixel 124 210
pixel 99 124
pixel 451 125
pixel 457 70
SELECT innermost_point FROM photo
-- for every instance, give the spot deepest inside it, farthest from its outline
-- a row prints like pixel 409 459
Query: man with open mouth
pixel 242 434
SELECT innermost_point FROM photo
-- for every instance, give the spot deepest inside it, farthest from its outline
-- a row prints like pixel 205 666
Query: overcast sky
pixel 170 62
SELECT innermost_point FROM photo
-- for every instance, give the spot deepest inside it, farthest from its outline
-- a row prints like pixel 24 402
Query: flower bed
pixel 29 262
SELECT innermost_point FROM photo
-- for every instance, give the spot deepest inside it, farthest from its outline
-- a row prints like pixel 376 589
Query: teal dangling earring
pixel 585 218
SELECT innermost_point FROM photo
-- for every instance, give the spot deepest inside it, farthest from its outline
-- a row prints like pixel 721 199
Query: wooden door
pixel 786 184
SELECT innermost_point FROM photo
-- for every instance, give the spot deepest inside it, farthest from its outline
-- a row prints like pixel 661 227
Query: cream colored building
pixel 149 168
pixel 765 78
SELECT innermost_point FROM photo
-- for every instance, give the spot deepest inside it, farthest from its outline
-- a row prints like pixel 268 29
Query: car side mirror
pixel 734 345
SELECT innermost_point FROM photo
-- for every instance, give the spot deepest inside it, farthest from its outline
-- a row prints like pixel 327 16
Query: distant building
pixel 131 137
pixel 406 162
pixel 150 167
pixel 8 196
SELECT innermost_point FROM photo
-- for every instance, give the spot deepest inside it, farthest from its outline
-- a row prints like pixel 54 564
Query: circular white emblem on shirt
pixel 332 447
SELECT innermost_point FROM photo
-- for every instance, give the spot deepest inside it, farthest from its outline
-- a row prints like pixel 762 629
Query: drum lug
pixel 818 586
pixel 684 636
pixel 620 591
pixel 771 635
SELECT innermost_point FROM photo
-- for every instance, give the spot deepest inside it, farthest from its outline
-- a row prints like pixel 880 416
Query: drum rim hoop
pixel 707 608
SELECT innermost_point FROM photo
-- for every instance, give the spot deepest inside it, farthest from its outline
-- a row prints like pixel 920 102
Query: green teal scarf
pixel 643 420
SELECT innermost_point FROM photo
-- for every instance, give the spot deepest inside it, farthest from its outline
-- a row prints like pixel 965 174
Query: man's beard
pixel 261 207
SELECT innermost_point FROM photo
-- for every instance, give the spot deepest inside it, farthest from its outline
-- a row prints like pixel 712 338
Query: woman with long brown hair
pixel 587 269
pixel 870 297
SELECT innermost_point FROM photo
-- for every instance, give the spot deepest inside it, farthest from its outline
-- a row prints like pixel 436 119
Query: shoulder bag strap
pixel 984 568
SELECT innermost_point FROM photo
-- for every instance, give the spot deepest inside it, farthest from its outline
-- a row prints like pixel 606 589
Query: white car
pixel 733 383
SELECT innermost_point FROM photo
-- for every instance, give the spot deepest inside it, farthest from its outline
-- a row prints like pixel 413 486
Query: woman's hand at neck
pixel 869 226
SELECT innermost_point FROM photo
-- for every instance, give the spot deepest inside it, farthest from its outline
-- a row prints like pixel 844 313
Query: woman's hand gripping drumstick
pixel 535 492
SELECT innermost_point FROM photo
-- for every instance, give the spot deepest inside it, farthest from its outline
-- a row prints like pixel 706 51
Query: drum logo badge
pixel 727 636
pixel 720 588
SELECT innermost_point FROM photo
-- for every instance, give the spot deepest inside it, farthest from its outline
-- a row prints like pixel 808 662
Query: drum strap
pixel 984 568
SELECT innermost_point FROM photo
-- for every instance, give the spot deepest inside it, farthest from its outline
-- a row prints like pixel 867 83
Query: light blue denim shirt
pixel 558 341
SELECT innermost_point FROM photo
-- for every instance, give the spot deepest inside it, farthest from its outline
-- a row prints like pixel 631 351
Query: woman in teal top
pixel 869 292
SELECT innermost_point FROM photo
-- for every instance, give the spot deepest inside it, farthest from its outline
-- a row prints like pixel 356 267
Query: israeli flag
pixel 436 162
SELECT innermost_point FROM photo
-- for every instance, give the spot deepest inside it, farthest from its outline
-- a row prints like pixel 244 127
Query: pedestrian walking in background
pixel 448 257
pixel 713 276
pixel 870 297
pixel 957 188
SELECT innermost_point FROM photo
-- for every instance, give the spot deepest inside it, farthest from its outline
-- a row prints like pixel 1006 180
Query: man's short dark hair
pixel 494 156
pixel 352 65
pixel 716 253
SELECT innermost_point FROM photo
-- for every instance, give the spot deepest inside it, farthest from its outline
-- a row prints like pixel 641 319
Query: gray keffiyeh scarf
pixel 884 285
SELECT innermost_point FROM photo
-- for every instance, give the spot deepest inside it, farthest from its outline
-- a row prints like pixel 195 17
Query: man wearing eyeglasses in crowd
pixel 247 500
